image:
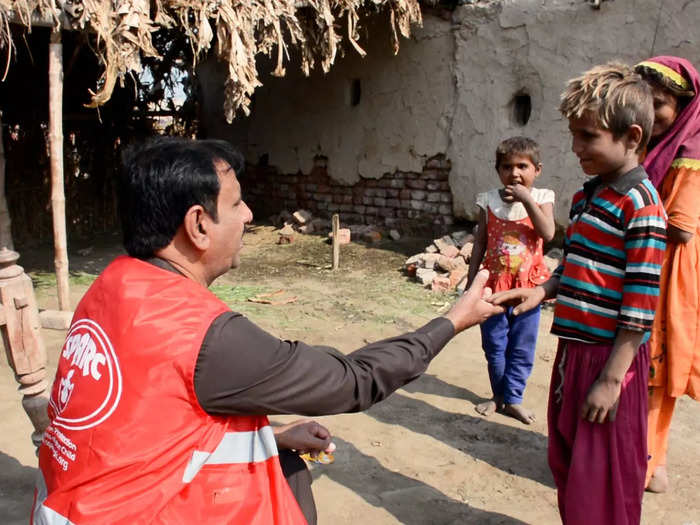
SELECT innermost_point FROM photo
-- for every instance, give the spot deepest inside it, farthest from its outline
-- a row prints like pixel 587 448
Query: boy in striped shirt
pixel 606 292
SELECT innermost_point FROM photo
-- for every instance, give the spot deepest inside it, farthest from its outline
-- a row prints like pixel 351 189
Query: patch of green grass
pixel 236 294
pixel 44 280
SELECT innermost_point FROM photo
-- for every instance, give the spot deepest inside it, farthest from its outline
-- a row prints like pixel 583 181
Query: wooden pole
pixel 336 243
pixel 5 220
pixel 58 199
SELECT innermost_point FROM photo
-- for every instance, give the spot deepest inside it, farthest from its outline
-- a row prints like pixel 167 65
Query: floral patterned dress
pixel 513 255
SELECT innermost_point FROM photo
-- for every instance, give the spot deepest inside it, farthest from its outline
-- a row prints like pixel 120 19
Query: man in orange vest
pixel 158 410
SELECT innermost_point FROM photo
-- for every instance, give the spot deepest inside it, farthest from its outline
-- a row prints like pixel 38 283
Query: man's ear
pixel 196 227
pixel 633 137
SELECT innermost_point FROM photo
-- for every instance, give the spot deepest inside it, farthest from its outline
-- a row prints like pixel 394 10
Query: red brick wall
pixel 399 199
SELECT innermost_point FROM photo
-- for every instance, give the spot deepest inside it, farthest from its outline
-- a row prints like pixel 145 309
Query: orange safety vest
pixel 128 441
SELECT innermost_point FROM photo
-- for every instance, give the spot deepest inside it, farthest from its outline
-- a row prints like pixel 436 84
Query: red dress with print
pixel 514 256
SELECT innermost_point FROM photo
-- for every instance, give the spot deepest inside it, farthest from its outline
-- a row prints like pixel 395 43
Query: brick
pixel 466 250
pixel 431 208
pixel 393 203
pixel 446 197
pixel 418 184
pixel 359 209
pixel 425 276
pixel 414 259
pixel 368 200
pixel 440 284
pixel 344 236
pixel 55 319
pixel 378 201
pixel 392 193
pixel 433 197
pixel 433 185
pixel 416 205
pixel 372 236
pixel 405 194
pixel 443 242
pixel 449 251
pixel 445 209
pixel 371 210
pixel 418 195
pixel 386 212
pixel 380 193
pixel 456 276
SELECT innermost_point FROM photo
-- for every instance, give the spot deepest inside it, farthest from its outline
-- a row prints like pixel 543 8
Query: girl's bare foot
pixel 659 480
pixel 487 407
pixel 519 413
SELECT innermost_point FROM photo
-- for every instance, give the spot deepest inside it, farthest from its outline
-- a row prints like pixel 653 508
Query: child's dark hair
pixel 618 96
pixel 518 146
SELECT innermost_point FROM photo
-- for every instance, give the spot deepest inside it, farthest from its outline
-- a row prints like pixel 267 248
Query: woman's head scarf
pixel 683 138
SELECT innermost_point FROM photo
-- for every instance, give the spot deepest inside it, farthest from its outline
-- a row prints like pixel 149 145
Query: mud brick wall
pixel 397 200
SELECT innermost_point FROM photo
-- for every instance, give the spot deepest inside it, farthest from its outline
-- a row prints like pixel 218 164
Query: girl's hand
pixel 523 299
pixel 602 401
pixel 516 192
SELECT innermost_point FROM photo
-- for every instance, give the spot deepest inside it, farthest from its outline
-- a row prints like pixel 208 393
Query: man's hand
pixel 471 308
pixel 602 401
pixel 304 436
pixel 523 299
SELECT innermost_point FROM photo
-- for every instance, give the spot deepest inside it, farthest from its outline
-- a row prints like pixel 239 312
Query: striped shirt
pixel 614 248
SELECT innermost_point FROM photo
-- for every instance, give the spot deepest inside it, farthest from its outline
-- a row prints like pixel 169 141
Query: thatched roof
pixel 239 29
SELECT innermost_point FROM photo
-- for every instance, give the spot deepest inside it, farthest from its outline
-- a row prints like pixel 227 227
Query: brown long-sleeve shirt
pixel 242 369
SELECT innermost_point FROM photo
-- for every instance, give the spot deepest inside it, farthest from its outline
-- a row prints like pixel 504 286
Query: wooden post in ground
pixel 19 326
pixel 5 220
pixel 335 221
pixel 58 199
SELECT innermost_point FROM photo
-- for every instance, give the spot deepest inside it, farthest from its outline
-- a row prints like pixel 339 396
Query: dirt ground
pixel 424 456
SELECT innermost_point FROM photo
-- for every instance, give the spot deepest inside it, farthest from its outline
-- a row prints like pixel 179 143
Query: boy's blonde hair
pixel 617 95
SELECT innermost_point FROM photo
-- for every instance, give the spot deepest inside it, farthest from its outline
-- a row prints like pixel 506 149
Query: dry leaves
pixel 243 29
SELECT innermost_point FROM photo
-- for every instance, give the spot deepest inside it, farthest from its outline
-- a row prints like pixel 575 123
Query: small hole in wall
pixel 355 92
pixel 522 108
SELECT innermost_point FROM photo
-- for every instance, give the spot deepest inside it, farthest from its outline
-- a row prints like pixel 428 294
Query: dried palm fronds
pixel 123 29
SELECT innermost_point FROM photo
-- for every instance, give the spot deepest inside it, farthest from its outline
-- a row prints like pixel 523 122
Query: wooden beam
pixel 58 199
pixel 335 222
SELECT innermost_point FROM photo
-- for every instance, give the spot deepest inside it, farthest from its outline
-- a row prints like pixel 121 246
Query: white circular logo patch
pixel 88 385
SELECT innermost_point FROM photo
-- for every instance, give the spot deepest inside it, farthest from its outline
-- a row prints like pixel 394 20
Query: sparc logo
pixel 88 385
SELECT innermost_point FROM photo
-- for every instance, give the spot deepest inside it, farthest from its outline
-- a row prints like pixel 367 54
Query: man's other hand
pixel 304 436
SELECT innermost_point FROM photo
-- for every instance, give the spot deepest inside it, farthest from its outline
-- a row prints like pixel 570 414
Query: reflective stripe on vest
pixel 235 447
pixel 41 514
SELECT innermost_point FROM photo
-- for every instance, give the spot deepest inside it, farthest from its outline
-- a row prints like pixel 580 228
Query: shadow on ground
pixel 16 490
pixel 501 446
pixel 409 500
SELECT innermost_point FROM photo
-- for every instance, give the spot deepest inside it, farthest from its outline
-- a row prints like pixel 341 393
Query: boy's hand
pixel 602 401
pixel 523 299
pixel 516 192
pixel 472 307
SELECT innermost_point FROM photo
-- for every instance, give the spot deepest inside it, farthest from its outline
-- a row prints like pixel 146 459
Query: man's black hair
pixel 161 180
